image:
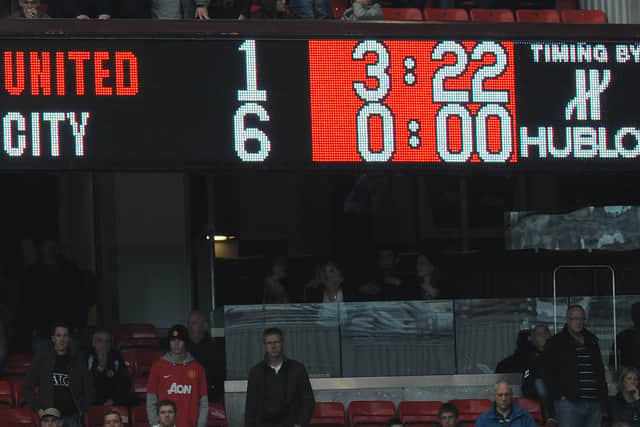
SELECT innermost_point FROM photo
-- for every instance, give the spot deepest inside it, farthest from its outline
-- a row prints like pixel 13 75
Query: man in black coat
pixel 574 373
pixel 208 353
pixel 61 379
pixel 278 392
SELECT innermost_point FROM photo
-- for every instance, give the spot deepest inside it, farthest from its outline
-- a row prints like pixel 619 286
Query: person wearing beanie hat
pixel 50 417
pixel 179 377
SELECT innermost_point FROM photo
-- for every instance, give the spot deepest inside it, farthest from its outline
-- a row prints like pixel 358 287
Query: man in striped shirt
pixel 574 373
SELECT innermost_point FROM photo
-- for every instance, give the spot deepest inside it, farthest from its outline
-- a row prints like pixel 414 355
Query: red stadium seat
pixel 370 413
pixel 492 15
pixel 419 414
pixel 450 15
pixel 328 414
pixel 95 415
pixel 337 8
pixel 570 16
pixel 401 14
pixel 542 16
pixel 129 357
pixel 139 416
pixel 532 406
pixel 217 416
pixel 140 360
pixel 471 409
pixel 140 387
pixel 6 393
pixel 16 387
pixel 18 417
pixel 18 363
pixel 136 335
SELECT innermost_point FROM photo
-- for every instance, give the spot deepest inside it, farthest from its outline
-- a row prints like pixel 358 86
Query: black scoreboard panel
pixel 441 103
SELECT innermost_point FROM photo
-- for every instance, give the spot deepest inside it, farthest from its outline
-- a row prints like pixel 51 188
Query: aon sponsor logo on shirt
pixel 179 389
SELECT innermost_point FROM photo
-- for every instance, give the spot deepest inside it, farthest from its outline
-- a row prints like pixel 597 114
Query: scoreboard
pixel 298 102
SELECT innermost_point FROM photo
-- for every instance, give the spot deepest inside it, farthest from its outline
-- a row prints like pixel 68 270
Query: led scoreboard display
pixel 109 104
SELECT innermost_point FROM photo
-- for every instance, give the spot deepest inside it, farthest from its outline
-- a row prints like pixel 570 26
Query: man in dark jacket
pixel 278 392
pixel 62 380
pixel 574 373
pixel 209 354
pixel 110 375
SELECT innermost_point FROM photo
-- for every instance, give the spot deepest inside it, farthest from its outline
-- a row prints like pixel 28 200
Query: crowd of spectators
pixel 227 9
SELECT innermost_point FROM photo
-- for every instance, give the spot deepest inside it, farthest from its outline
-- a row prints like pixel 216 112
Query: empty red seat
pixel 16 387
pixel 337 8
pixel 471 409
pixel 95 415
pixel 532 406
pixel 136 335
pixel 18 363
pixel 370 412
pixel 6 393
pixel 140 387
pixel 139 416
pixel 574 16
pixel 216 416
pixel 140 360
pixel 492 15
pixel 401 14
pixel 542 16
pixel 328 414
pixel 566 4
pixel 18 417
pixel 450 15
pixel 419 413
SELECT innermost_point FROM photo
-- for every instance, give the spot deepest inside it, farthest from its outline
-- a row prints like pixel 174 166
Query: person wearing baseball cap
pixel 50 417
pixel 179 377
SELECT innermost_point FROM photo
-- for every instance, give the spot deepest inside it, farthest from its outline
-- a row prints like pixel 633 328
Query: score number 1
pixel 250 97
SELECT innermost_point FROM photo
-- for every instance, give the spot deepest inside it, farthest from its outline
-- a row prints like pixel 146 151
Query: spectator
pixel 278 391
pixel 625 406
pixel 574 373
pixel 180 376
pixel 165 9
pixel 385 284
pixel 101 9
pixel 110 375
pixel 62 380
pixel 628 342
pixel 112 418
pixel 50 417
pixel 363 10
pixel 275 289
pixel 29 9
pixel 533 385
pixel 202 347
pixel 448 415
pixel 426 285
pixel 327 285
pixel 517 362
pixel 195 9
pixel 504 411
pixel 167 412
pixel 395 422
pixel 229 9
pixel 310 9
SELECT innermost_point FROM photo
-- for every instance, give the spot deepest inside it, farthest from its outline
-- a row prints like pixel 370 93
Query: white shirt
pixel 339 297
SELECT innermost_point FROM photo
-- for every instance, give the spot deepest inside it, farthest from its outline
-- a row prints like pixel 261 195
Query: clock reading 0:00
pixel 490 102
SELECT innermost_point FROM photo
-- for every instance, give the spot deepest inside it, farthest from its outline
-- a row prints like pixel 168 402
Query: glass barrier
pixel 399 338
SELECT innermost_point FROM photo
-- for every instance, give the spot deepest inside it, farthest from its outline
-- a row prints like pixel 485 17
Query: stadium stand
pixel 543 16
pixel 492 15
pixel 401 14
pixel 445 15
pixel 217 416
pixel 471 409
pixel 570 16
pixel 419 413
pixel 328 414
pixel 368 413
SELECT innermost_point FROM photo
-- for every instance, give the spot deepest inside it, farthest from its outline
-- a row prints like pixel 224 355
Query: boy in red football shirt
pixel 177 376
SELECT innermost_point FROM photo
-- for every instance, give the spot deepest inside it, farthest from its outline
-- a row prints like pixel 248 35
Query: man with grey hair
pixel 574 373
pixel 504 411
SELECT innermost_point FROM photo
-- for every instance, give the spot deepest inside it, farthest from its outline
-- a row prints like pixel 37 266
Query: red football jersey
pixel 183 384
